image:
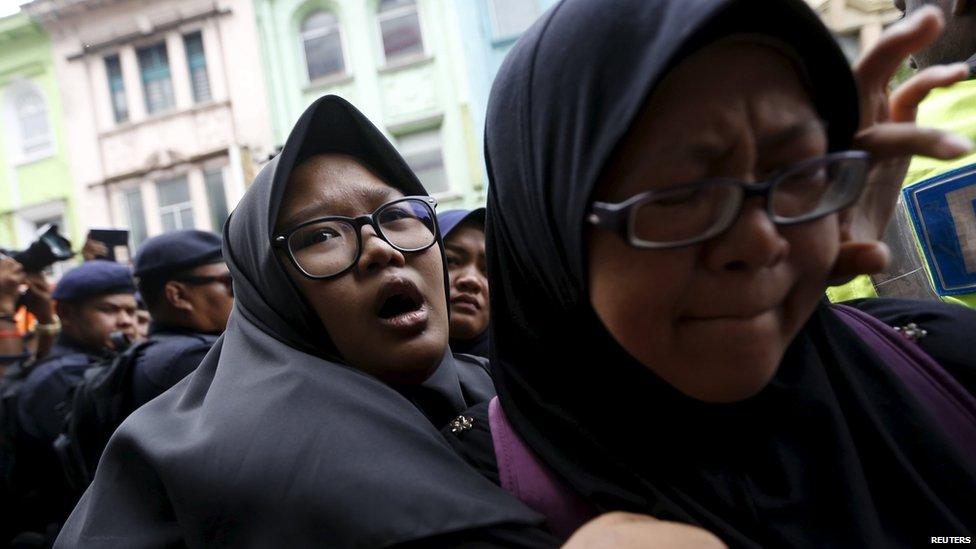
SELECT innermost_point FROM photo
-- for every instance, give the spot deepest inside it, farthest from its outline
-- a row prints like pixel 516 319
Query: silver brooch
pixel 911 331
pixel 461 423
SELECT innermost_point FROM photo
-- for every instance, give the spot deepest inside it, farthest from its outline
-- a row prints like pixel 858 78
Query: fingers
pixel 876 68
pixel 890 140
pixel 905 99
pixel 859 258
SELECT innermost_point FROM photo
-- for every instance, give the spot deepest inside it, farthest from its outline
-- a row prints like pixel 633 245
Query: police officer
pixel 187 288
pixel 93 300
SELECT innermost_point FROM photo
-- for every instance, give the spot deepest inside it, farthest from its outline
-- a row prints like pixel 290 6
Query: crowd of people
pixel 673 187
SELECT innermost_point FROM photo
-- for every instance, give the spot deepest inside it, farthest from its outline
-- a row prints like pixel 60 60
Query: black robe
pixel 272 440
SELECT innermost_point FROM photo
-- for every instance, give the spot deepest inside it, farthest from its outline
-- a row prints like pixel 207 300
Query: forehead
pixel 115 300
pixel 331 184
pixel 467 235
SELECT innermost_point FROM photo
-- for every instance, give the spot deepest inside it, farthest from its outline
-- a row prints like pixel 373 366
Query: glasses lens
pixel 684 213
pixel 408 224
pixel 818 189
pixel 325 248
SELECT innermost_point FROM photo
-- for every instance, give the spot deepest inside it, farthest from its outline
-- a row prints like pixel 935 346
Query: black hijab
pixel 272 441
pixel 449 221
pixel 835 451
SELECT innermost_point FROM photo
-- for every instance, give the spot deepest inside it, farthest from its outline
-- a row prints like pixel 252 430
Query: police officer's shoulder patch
pixel 943 212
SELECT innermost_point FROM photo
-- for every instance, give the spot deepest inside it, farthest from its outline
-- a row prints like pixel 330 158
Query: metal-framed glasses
pixel 694 212
pixel 329 246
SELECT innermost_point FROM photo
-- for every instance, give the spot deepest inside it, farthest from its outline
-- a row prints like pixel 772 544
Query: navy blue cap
pixel 176 251
pixel 452 219
pixel 94 278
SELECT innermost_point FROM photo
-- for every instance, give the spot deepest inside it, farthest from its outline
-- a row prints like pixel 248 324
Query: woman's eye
pixel 317 237
pixel 677 196
pixel 453 260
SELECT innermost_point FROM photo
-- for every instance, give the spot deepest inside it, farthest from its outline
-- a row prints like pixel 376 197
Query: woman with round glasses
pixel 673 186
pixel 314 420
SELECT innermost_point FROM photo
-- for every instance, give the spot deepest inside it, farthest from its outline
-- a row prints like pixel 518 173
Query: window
pixel 216 198
pixel 322 44
pixel 116 89
pixel 400 29
pixel 175 207
pixel 197 62
pixel 156 82
pixel 511 17
pixel 30 113
pixel 137 219
pixel 422 151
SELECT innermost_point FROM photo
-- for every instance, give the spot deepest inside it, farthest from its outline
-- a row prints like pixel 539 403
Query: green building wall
pixel 27 185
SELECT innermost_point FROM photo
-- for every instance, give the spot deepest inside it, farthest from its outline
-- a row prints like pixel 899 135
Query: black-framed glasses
pixel 224 279
pixel 329 246
pixel 694 212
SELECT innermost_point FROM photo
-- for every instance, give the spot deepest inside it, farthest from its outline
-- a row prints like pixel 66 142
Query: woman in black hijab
pixel 680 361
pixel 463 233
pixel 289 434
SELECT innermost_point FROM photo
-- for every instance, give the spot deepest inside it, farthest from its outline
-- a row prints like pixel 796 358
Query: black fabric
pixel 175 353
pixel 269 443
pixel 833 452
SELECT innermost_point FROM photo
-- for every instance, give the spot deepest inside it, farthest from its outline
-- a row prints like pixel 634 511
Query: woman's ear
pixel 175 294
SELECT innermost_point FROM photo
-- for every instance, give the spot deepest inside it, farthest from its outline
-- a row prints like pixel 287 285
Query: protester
pixel 670 193
pixel 94 300
pixel 463 232
pixel 287 434
pixel 187 289
pixel 12 348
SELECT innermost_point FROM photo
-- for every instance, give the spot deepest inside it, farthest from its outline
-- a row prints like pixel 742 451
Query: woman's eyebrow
pixel 806 128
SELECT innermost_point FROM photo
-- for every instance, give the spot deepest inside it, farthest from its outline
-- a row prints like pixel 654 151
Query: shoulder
pixel 470 436
pixel 164 350
pixel 948 327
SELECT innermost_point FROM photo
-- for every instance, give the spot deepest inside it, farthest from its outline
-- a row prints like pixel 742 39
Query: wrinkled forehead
pixel 332 184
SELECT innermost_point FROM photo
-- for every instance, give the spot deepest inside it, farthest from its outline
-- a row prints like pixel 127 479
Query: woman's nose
pixel 377 253
pixel 752 242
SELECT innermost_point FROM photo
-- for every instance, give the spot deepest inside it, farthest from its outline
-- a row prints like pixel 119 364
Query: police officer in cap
pixel 93 300
pixel 187 288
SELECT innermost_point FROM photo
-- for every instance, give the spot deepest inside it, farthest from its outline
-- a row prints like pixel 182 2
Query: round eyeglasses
pixel 329 246
pixel 694 212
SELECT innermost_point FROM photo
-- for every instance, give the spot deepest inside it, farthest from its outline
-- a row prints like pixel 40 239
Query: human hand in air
pixel 625 530
pixel 12 277
pixel 93 249
pixel 38 297
pixel 888 132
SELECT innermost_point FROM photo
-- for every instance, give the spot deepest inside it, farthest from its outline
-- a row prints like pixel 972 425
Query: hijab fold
pixel 835 451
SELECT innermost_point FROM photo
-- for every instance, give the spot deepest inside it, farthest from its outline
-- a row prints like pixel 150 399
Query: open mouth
pixel 401 306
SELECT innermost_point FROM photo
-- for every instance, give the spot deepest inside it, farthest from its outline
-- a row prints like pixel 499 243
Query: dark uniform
pixel 43 400
pixel 175 351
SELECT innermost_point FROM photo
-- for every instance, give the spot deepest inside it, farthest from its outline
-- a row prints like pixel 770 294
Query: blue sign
pixel 943 212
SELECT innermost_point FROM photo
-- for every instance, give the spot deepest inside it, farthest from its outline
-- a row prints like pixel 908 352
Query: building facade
pixel 165 110
pixel 489 28
pixel 399 61
pixel 857 24
pixel 35 179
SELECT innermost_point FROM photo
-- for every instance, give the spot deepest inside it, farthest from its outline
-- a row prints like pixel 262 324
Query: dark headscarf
pixel 833 452
pixel 272 441
pixel 448 222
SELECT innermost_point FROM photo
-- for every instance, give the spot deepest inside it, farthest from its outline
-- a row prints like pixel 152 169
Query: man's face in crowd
pixel 208 293
pixel 90 322
pixel 957 42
